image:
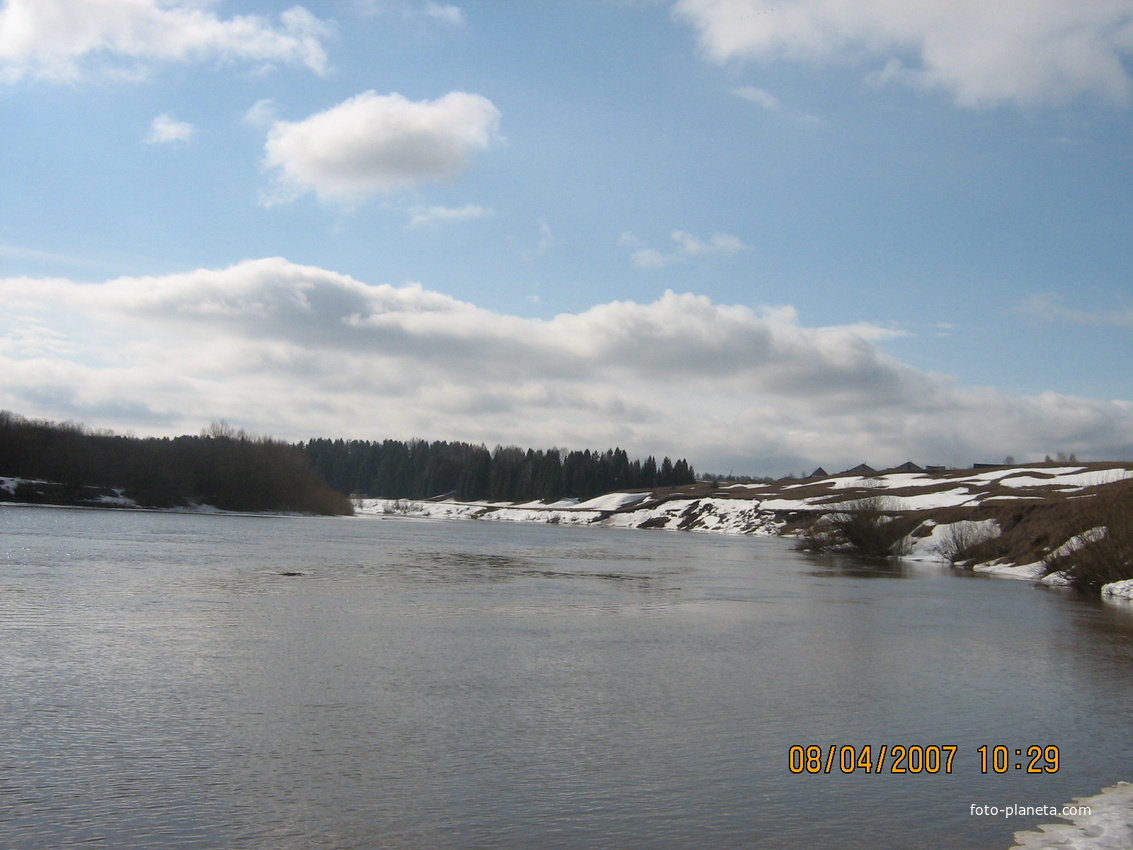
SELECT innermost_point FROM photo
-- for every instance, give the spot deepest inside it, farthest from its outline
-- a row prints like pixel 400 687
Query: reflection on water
pixel 188 681
pixel 835 564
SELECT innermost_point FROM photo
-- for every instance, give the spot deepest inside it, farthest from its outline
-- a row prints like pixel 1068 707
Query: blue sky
pixel 762 235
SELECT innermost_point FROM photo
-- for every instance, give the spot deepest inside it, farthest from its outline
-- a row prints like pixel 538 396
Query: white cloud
pixel 261 115
pixel 686 246
pixel 651 258
pixel 546 238
pixel 165 128
pixel 724 244
pixel 299 351
pixel 1051 308
pixel 53 257
pixel 373 144
pixel 445 13
pixel 758 97
pixel 441 214
pixel 65 40
pixel 442 13
pixel 982 52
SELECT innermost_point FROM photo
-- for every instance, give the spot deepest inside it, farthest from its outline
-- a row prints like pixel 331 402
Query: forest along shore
pixel 1063 522
pixel 1059 523
pixel 50 463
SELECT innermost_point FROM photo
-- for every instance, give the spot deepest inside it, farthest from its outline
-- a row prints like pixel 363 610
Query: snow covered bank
pixel 34 491
pixel 615 510
pixel 637 510
pixel 26 492
pixel 1108 826
pixel 1007 522
pixel 12 485
pixel 1118 590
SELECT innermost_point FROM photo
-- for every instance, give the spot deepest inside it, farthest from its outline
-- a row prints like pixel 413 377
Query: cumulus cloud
pixel 685 245
pixel 981 53
pixel 165 128
pixel 379 144
pixel 65 40
pixel 300 351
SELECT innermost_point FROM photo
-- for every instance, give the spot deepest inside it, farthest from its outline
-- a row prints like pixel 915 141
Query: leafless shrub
pixel 1102 553
pixel 395 506
pixel 956 541
pixel 819 536
pixel 863 527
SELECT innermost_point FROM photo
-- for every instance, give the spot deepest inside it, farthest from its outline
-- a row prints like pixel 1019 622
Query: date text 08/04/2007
pixel 917 758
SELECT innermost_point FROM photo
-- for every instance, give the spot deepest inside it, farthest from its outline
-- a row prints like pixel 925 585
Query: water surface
pixel 225 681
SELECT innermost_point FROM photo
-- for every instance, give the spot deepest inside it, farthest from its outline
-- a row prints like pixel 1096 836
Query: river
pixel 186 680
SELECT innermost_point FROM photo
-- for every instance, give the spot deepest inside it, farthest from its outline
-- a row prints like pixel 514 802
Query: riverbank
pixel 1057 524
pixel 68 463
pixel 26 493
pixel 1010 521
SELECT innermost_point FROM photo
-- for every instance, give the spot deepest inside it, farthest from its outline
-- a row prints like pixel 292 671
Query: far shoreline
pixel 1029 522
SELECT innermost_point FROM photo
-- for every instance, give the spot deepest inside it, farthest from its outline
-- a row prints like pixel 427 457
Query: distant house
pixel 819 473
pixel 907 466
pixel 862 470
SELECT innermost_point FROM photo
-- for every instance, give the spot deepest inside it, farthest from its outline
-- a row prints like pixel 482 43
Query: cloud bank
pixel 379 144
pixel 66 40
pixel 299 351
pixel 1026 52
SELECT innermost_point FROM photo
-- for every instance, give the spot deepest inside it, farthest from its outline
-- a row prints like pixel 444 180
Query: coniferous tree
pixel 419 469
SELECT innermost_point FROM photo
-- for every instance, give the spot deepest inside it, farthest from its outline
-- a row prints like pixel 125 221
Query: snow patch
pixel 1109 826
pixel 1070 479
pixel 930 501
pixel 785 504
pixel 1078 541
pixel 1118 590
pixel 1027 572
pixel 611 501
pixel 117 500
pixel 935 545
pixel 12 484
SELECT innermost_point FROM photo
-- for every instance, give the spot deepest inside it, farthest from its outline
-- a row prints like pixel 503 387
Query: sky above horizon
pixel 763 235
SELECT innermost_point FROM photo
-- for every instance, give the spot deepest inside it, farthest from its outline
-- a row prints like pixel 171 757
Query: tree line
pixel 419 469
pixel 222 467
pixel 231 470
